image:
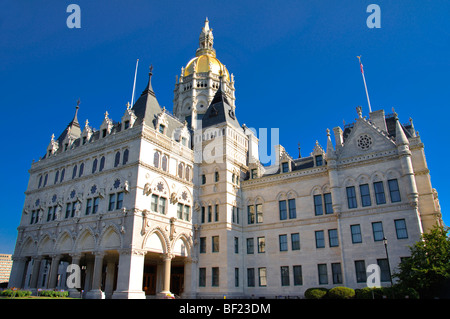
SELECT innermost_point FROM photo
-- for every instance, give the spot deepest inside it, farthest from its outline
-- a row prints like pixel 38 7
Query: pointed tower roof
pixel 400 136
pixel 73 129
pixel 147 106
pixel 220 110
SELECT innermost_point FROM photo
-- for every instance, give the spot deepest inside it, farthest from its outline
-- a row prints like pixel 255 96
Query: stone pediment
pixel 365 138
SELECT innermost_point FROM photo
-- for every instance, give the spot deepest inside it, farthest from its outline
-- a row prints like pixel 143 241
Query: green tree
pixel 428 268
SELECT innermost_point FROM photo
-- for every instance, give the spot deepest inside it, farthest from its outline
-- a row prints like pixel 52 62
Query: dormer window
pixel 84 139
pixel 161 128
pixel 319 160
pixel 285 167
pixel 254 173
pixel 66 146
pixel 184 141
pixel 126 125
pixel 104 132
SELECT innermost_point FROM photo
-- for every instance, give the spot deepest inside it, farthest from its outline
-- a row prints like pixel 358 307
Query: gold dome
pixel 205 63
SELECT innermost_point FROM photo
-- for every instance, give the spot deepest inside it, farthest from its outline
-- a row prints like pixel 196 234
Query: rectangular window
pixel 251 277
pixel 323 274
pixel 112 202
pixel 333 238
pixel 250 214
pixel 394 191
pixel 162 206
pixel 203 214
pixel 236 277
pixel 384 268
pixel 283 211
pixel 202 277
pixel 250 246
pixel 377 229
pixel 318 207
pixel 236 245
pixel 187 212
pixel 400 229
pixel 202 245
pixel 351 197
pixel 379 193
pixel 209 214
pixel 284 275
pixel 285 167
pixel 360 269
pixel 180 211
pixel 119 203
pixel 254 173
pixel 328 203
pixel 262 276
pixel 88 206
pixel 295 241
pixel 68 210
pixel 259 213
pixel 298 277
pixel 203 179
pixel 336 271
pixel 365 195
pixel 283 243
pixel 292 209
pixel 215 277
pixel 216 213
pixel 261 244
pixel 215 244
pixel 33 216
pixel 154 203
pixel 356 234
pixel 95 205
pixel 320 239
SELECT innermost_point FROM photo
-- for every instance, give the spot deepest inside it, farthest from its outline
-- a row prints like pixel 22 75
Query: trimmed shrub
pixel 315 293
pixel 53 293
pixel 341 293
pixel 16 293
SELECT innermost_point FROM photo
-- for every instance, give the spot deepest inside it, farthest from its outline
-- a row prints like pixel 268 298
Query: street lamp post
pixel 387 257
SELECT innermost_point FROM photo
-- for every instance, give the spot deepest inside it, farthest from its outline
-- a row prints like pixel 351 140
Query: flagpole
pixel 365 85
pixel 134 84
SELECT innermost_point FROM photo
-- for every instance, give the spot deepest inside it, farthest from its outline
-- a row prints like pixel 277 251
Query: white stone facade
pixel 142 215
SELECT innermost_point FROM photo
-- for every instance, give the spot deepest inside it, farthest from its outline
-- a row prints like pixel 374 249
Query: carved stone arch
pixel 29 246
pixel 292 194
pixel 111 238
pixel 363 179
pixel 188 244
pixel 111 183
pixel 64 242
pixel 349 181
pixel 86 240
pixel 46 244
pixel 149 240
pixel 281 196
pixel 184 195
pixel 326 188
pixel 159 186
pixel 316 190
pixel 259 200
pixel 392 173
pixel 377 176
pixel 249 201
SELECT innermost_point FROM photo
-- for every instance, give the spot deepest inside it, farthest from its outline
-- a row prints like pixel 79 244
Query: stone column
pixel 73 291
pixel 35 274
pixel 96 291
pixel 16 279
pixel 130 275
pixel 53 276
pixel 190 264
pixel 167 259
pixel 110 272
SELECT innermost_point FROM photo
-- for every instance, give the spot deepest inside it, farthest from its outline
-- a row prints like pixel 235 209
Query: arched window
pixel 180 170
pixel 40 181
pixel 125 157
pixel 164 163
pixel 102 164
pixel 74 172
pixel 156 159
pixel 117 159
pixel 45 180
pixel 56 177
pixel 94 166
pixel 81 170
pixel 188 173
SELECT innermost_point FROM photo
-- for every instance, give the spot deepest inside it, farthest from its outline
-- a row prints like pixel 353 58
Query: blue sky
pixel 294 63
